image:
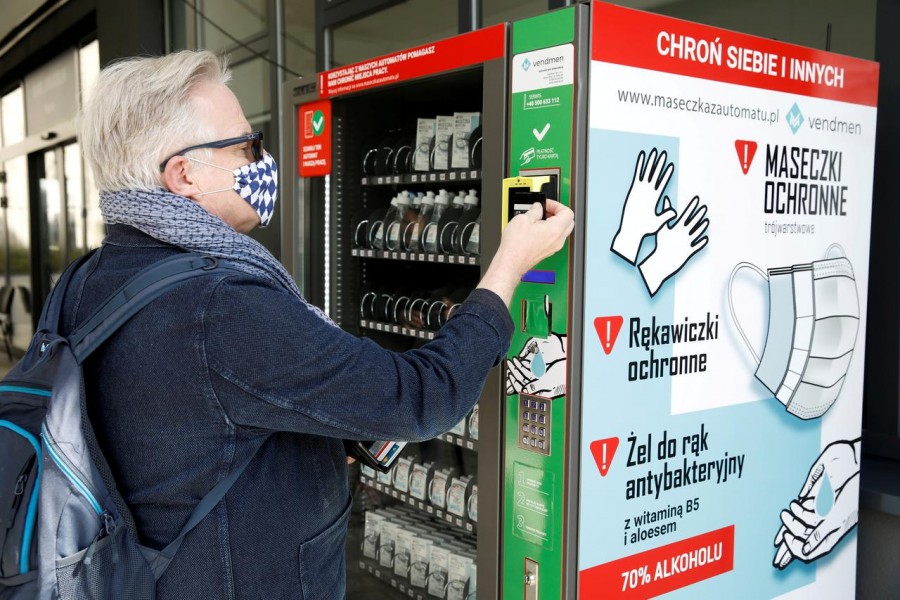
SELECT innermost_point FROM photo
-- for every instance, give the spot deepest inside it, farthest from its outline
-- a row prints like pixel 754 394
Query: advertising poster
pixel 726 273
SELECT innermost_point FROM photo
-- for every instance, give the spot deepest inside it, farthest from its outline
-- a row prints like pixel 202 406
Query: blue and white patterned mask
pixel 257 183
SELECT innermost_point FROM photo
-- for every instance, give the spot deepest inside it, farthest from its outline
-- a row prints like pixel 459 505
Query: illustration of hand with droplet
pixel 826 509
pixel 540 368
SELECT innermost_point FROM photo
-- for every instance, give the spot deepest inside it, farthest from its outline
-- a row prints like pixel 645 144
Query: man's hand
pixel 526 241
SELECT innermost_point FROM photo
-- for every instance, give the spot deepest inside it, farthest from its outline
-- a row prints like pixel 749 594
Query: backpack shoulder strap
pixel 205 505
pixel 149 284
pixel 52 310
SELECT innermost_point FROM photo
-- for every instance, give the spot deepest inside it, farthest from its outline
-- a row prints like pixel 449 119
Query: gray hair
pixel 140 111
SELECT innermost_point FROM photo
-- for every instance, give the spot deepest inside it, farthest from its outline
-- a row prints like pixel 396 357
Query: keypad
pixel 534 424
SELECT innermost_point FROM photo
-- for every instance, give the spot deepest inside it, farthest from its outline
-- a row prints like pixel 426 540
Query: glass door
pixel 68 214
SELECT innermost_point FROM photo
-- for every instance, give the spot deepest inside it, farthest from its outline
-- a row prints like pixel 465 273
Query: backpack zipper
pixel 69 472
pixel 21 482
pixel 31 514
pixel 26 390
pixel 107 521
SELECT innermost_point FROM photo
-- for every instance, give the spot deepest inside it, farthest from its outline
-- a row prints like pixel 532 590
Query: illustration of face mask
pixel 813 321
pixel 257 183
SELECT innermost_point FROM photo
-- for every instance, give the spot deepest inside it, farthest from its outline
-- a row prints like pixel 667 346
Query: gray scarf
pixel 181 222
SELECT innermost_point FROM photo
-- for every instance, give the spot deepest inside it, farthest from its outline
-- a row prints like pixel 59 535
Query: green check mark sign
pixel 318 122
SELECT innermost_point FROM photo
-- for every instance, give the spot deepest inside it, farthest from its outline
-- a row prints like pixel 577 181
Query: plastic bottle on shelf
pixel 414 242
pixel 393 224
pixel 410 217
pixel 430 233
pixel 449 223
pixel 472 243
pixel 471 213
pixel 377 229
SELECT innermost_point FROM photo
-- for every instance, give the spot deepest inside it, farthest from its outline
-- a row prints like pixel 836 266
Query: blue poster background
pixel 778 448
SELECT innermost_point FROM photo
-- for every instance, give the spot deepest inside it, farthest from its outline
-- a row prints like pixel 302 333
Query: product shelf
pixel 452 259
pixel 388 577
pixel 458 175
pixel 422 334
pixel 424 507
pixel 458 440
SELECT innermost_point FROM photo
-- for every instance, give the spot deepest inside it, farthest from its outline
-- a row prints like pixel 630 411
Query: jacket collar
pixel 127 236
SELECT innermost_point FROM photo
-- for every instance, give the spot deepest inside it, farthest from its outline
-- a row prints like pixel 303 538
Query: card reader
pixel 520 193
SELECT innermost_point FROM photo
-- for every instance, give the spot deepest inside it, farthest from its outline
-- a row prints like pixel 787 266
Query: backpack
pixel 65 531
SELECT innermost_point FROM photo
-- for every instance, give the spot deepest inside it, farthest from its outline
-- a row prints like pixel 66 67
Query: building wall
pixel 878 546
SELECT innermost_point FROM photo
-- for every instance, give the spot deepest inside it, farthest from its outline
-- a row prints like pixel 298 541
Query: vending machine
pixel 683 416
pixel 392 211
pixel 680 411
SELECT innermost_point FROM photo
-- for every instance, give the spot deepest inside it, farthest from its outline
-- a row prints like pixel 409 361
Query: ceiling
pixel 16 11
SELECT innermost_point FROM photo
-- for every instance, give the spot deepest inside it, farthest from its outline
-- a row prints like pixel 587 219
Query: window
pixel 299 33
pixel 421 21
pixel 12 116
pixel 503 11
pixel 241 19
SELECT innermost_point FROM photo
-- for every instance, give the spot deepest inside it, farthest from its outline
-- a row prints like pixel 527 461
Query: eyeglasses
pixel 255 140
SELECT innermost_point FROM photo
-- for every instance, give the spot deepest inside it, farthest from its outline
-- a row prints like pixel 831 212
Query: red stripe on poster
pixel 444 55
pixel 648 41
pixel 661 570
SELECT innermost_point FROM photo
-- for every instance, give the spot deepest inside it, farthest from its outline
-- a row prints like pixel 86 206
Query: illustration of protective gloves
pixel 675 245
pixel 540 368
pixel 639 216
pixel 826 509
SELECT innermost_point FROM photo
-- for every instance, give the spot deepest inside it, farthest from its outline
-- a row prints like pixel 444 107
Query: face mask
pixel 257 183
pixel 813 321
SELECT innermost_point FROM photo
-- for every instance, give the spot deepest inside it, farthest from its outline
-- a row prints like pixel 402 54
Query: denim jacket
pixel 228 363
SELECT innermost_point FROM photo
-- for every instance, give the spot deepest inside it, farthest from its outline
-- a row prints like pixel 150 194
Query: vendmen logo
pixel 794 118
pixel 526 64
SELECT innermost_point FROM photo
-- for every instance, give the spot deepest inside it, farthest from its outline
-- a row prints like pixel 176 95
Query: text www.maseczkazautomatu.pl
pixel 699 105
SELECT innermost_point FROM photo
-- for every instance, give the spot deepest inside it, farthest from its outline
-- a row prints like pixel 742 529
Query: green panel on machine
pixel 541 139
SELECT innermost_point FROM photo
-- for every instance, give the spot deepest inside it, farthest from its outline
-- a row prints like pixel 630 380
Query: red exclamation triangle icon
pixel 746 150
pixel 608 330
pixel 603 451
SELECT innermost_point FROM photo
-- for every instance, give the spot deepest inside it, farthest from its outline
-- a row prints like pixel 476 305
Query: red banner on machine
pixel 662 570
pixel 445 55
pixel 660 43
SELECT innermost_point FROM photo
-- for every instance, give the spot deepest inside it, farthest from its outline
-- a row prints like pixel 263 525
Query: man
pixel 228 364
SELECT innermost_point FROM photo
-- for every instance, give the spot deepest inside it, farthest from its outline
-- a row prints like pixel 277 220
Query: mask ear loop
pixel 738 267
pixel 837 247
